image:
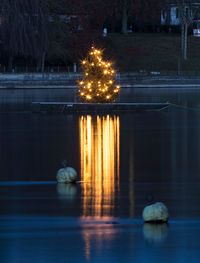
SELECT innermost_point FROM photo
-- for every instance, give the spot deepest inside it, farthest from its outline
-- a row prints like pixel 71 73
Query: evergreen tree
pixel 98 83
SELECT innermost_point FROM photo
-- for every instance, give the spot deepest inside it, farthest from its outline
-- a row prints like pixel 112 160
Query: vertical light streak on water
pixel 131 180
pixel 100 157
pixel 117 132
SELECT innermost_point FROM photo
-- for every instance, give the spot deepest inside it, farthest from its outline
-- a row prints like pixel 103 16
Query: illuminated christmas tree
pixel 98 83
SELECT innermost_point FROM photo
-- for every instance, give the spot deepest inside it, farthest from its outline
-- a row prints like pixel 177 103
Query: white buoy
pixel 66 175
pixel 157 213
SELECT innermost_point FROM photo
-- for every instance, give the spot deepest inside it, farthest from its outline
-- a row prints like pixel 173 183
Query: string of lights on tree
pixel 98 83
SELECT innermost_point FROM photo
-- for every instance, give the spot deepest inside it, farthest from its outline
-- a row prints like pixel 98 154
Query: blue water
pixel 65 239
pixel 149 157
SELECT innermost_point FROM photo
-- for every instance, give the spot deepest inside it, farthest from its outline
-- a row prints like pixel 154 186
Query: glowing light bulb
pixel 88 97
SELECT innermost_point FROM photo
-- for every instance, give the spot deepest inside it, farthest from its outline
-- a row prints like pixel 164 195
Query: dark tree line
pixel 24 30
pixel 61 30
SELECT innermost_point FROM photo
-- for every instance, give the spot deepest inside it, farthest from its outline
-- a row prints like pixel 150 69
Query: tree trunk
pixel 43 61
pixel 182 40
pixel 38 64
pixel 124 17
pixel 10 63
pixel 185 42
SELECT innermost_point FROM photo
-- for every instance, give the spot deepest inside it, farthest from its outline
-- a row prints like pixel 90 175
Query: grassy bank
pixel 153 52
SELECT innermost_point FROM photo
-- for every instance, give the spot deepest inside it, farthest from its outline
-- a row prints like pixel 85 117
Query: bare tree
pixel 124 16
pixel 187 11
pixel 147 12
pixel 23 30
pixel 144 11
pixel 125 8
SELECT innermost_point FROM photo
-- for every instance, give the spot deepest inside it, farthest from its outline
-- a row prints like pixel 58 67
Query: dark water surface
pixel 124 162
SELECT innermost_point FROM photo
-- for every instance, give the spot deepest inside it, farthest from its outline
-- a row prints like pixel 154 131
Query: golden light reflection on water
pixel 99 152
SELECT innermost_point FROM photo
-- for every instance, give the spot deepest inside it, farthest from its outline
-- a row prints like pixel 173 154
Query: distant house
pixel 170 14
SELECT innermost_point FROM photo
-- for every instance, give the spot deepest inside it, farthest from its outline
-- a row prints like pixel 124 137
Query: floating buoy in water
pixel 155 213
pixel 66 175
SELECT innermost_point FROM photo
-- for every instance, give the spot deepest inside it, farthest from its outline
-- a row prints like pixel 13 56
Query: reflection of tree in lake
pixel 97 237
pixel 99 154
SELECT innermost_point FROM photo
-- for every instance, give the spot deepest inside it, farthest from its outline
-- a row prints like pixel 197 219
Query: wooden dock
pixel 71 107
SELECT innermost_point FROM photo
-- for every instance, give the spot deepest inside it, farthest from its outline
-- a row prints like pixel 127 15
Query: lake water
pixel 124 162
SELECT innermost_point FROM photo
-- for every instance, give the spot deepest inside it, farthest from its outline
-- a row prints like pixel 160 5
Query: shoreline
pixel 17 93
pixel 69 80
